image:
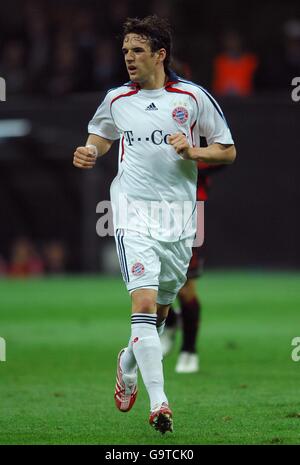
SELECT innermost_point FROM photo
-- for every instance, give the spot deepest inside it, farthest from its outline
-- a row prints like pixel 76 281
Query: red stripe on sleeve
pixel 178 91
pixel 123 149
pixel 192 129
pixel 135 91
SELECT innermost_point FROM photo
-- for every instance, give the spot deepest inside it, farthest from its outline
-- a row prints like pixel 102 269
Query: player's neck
pixel 155 81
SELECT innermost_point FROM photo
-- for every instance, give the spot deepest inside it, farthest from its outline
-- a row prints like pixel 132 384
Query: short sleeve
pixel 211 120
pixel 102 123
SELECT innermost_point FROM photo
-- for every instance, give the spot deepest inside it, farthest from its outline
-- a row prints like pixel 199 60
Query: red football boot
pixel 126 388
pixel 161 419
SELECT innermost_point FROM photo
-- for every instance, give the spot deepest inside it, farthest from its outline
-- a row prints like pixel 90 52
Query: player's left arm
pixel 212 125
pixel 214 154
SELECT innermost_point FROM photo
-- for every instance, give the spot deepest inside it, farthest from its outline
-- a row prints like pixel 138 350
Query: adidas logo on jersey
pixel 151 107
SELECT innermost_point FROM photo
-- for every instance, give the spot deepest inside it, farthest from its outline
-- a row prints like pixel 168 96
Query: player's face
pixel 139 59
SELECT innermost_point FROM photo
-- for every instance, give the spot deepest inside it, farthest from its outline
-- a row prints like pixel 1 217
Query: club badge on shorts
pixel 180 115
pixel 138 269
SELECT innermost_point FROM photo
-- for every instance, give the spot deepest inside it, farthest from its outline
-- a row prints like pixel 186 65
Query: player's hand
pixel 181 145
pixel 84 157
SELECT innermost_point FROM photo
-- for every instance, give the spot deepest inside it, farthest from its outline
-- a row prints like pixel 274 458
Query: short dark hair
pixel 156 30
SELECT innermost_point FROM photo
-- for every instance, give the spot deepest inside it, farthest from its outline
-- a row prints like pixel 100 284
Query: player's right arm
pixel 102 133
pixel 96 146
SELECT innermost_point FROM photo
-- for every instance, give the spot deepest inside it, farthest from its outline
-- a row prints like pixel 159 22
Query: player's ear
pixel 162 53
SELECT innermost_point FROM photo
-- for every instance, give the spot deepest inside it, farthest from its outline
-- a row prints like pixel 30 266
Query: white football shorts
pixel 148 263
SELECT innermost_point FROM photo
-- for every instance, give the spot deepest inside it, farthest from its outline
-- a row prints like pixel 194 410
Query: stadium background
pixel 58 58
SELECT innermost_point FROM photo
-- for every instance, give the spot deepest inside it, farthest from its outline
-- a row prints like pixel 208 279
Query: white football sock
pixel 148 354
pixel 161 327
pixel 128 362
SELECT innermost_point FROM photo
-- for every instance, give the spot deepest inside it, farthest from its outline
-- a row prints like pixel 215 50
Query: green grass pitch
pixel 63 335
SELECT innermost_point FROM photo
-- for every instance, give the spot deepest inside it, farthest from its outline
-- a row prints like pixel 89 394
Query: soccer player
pixel 158 119
pixel 189 303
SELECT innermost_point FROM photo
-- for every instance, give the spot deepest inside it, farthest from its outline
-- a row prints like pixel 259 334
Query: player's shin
pixel 148 354
pixel 190 312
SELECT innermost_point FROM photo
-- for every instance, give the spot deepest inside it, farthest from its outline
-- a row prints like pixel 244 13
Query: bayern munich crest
pixel 138 269
pixel 180 115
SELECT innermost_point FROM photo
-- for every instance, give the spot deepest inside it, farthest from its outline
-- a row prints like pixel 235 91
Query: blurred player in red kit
pixel 189 314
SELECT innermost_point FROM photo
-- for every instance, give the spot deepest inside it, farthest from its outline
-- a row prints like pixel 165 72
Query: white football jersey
pixel 154 186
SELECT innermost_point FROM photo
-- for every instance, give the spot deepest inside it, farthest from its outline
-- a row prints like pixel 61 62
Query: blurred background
pixel 59 57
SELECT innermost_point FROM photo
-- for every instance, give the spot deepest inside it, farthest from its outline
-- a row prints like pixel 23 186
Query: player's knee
pixel 187 292
pixel 143 305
